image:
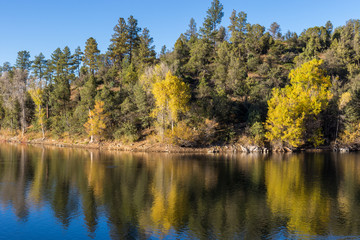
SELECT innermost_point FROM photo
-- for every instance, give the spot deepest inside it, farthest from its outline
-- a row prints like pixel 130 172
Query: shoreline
pixel 147 146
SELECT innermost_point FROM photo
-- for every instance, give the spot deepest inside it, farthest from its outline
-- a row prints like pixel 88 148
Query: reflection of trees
pixel 140 194
pixel 13 177
pixel 348 198
pixel 306 206
pixel 188 196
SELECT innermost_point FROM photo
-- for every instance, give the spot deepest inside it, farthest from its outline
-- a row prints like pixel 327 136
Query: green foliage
pixel 127 133
pixel 23 60
pixel 91 55
pixel 236 78
pixel 212 20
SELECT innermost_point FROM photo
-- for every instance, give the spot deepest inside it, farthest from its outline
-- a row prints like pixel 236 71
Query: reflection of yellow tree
pixel 95 173
pixel 347 197
pixel 164 208
pixel 170 204
pixel 38 182
pixel 305 206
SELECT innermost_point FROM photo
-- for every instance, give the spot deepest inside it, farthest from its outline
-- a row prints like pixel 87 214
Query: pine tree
pixel 275 30
pixel 212 20
pixel 20 80
pixel 77 57
pixel 133 39
pixel 192 33
pixel 119 46
pixel 91 55
pixel 23 60
pixel 145 53
pixel 60 89
pixel 39 67
pixel 238 29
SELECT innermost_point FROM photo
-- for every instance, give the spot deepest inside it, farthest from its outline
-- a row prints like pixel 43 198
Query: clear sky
pixel 44 25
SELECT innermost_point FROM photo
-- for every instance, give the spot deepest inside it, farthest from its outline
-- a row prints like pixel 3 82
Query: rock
pixel 287 149
pixel 344 149
pixel 213 150
pixel 254 149
pixel 244 149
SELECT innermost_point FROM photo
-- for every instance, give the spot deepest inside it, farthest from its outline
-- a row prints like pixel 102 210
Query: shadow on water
pixel 87 193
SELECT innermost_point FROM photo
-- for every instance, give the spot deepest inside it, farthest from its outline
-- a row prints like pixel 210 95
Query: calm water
pixel 49 193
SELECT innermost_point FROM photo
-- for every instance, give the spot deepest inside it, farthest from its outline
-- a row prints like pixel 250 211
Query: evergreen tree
pixel 60 95
pixel 77 57
pixel 275 30
pixel 119 42
pixel 23 60
pixel 39 67
pixel 20 80
pixel 182 55
pixel 212 20
pixel 91 55
pixel 6 67
pixel 133 39
pixel 145 53
pixel 192 33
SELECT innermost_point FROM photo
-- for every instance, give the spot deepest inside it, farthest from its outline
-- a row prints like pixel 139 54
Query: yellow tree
pixel 293 111
pixel 95 124
pixel 171 98
pixel 37 96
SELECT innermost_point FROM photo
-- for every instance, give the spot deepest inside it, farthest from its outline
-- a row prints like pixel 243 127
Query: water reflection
pixel 123 195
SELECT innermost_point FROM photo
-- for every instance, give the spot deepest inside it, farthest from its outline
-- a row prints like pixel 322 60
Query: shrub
pixel 127 133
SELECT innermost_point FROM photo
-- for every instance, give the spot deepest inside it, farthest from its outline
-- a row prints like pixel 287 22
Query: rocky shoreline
pixel 147 146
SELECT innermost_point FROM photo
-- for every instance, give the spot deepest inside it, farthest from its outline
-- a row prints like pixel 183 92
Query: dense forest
pixel 217 85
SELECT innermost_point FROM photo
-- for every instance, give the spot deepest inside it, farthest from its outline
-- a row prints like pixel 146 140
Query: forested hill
pixel 218 84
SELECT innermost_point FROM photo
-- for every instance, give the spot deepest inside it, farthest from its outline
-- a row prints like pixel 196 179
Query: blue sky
pixel 43 25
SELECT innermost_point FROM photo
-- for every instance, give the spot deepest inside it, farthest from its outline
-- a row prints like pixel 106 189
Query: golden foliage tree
pixel 37 97
pixel 95 124
pixel 171 98
pixel 293 111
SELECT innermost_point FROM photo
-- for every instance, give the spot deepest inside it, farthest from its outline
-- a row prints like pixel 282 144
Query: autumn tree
pixel 96 121
pixel 293 117
pixel 37 96
pixel 171 98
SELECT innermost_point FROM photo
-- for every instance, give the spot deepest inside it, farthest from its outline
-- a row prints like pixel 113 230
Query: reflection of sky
pixel 41 224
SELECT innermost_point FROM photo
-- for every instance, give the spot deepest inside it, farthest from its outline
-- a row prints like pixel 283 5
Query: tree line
pixel 243 82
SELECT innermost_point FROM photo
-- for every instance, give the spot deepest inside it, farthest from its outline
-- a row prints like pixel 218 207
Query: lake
pixel 59 193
